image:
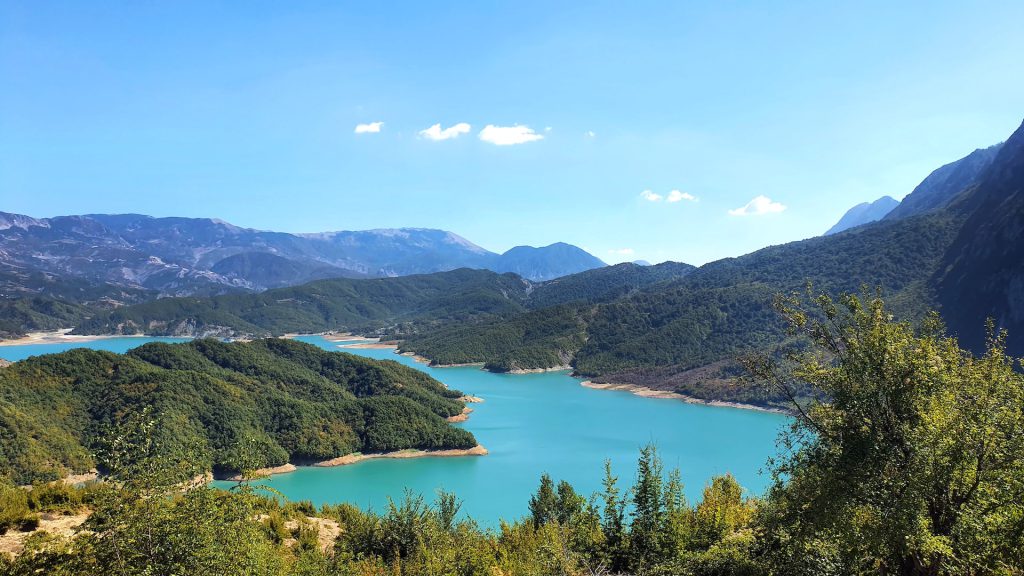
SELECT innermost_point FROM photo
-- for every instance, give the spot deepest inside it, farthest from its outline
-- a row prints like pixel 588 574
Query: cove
pixel 531 424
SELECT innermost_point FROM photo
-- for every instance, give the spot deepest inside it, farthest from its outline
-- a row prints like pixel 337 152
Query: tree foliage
pixel 914 465
pixel 280 400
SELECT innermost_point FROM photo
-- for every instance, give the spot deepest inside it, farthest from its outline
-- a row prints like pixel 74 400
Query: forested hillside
pixel 394 306
pixel 229 406
pixel 960 256
pixel 713 313
pixel 983 270
pixel 914 466
pixel 324 305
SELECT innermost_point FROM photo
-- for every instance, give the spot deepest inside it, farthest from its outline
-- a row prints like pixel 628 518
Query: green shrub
pixel 13 506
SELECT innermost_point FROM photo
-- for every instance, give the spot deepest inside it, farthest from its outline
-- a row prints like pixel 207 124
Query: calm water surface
pixel 531 424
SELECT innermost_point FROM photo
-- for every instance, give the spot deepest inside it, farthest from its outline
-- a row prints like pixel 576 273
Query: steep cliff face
pixel 983 272
pixel 942 186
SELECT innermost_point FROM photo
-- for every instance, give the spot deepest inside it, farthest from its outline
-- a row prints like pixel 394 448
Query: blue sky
pixel 248 112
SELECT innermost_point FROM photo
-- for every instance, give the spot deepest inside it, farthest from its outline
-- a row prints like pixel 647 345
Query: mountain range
pixel 669 326
pixel 152 257
pixel 935 192
pixel 864 213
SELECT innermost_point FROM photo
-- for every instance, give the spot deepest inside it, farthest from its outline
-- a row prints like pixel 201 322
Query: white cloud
pixel 650 196
pixel 508 135
pixel 676 196
pixel 590 134
pixel 622 251
pixel 758 206
pixel 371 128
pixel 436 133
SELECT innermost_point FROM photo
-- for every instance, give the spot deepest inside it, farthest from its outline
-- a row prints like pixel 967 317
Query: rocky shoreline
pixel 357 457
pixel 670 395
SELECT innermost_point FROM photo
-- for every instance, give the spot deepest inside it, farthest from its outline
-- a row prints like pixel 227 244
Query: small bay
pixel 531 424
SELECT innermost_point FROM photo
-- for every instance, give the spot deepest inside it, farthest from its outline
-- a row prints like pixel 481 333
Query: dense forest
pixel 914 466
pixel 402 305
pixel 237 405
pixel 336 304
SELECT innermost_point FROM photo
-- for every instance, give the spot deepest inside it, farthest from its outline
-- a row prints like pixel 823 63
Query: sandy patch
pixel 461 417
pixel 669 395
pixel 540 370
pixel 262 472
pixel 348 459
pixel 13 542
pixel 345 337
pixel 327 531
pixel 56 337
pixel 372 345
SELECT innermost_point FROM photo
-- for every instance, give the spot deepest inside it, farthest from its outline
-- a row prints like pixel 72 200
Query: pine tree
pixel 544 504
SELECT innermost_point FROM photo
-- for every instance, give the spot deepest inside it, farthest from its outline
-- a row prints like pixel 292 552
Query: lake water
pixel 531 424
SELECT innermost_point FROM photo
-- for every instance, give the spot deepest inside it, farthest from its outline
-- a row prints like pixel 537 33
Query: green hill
pixel 358 305
pixel 393 306
pixel 240 405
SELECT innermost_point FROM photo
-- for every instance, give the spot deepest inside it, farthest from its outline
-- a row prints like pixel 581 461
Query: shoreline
pixel 356 457
pixel 646 392
pixel 462 416
pixel 561 368
pixel 61 336
pixel 368 345
pixel 392 344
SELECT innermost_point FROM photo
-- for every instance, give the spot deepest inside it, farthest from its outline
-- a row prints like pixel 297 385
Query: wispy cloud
pixel 650 196
pixel 622 251
pixel 676 196
pixel 371 128
pixel 508 135
pixel 590 134
pixel 435 132
pixel 759 206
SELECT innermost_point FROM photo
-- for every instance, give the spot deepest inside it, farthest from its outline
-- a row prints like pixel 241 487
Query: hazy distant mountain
pixel 201 256
pixel 864 213
pixel 944 184
pixel 558 259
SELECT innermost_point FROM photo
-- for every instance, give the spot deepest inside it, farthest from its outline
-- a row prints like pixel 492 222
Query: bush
pixel 13 506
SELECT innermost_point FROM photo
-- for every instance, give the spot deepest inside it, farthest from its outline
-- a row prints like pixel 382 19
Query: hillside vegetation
pixel 391 306
pixel 236 406
pixel 914 467
pixel 324 305
pixel 712 313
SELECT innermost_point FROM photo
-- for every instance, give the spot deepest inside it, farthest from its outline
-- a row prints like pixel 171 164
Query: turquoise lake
pixel 531 424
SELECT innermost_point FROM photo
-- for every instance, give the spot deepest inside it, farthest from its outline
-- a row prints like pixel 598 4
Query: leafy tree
pixel 914 465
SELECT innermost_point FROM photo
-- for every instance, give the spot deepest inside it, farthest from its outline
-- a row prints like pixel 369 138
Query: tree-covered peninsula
pixel 231 406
